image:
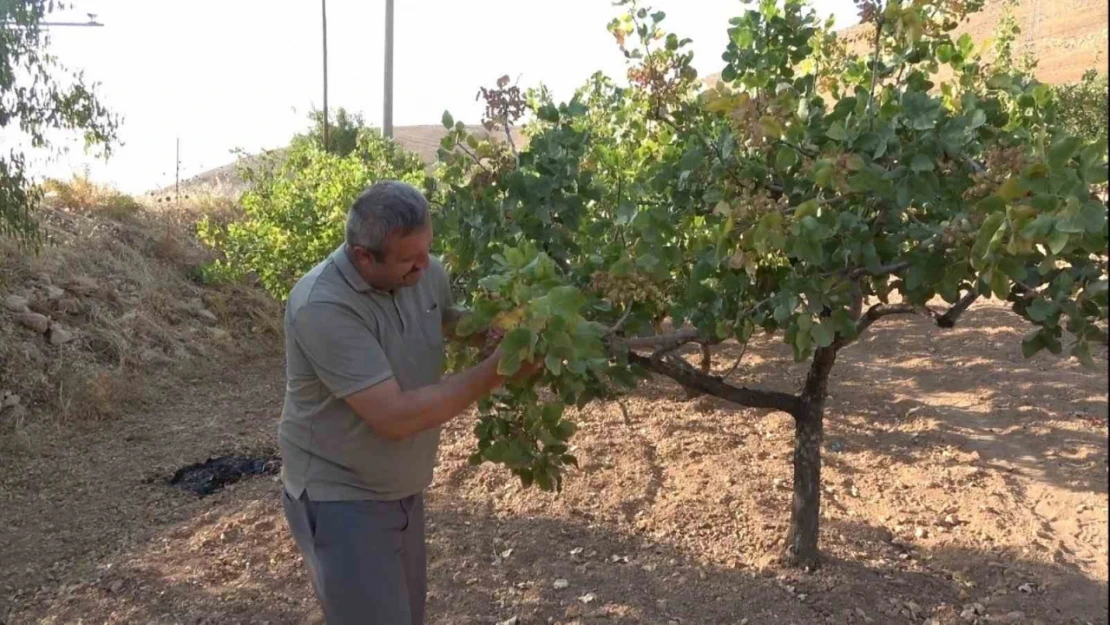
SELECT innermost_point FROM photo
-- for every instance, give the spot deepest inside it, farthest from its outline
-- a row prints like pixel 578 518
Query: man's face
pixel 402 263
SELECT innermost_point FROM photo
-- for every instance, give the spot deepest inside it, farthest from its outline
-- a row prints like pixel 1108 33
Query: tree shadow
pixel 491 566
pixel 909 386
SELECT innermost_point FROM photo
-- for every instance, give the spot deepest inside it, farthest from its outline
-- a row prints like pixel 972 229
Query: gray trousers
pixel 366 559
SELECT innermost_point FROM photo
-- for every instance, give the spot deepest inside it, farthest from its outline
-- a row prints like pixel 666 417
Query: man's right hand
pixel 527 369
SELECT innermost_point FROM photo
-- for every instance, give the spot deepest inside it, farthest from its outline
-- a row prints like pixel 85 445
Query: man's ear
pixel 364 256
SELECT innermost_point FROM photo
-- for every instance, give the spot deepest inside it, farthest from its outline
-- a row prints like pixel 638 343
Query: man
pixel 364 403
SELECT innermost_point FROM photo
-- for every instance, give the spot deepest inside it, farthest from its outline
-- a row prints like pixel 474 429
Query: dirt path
pixel 956 473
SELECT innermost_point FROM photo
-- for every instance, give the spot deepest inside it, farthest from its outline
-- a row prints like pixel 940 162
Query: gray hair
pixel 388 207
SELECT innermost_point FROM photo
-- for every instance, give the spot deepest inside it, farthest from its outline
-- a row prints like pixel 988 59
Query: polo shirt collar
pixel 349 272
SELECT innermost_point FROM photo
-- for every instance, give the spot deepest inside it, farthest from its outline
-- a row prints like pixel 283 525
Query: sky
pixel 221 75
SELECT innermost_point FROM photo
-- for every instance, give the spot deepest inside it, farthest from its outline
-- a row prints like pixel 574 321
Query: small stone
pixel 16 303
pixel 950 521
pixel 921 532
pixel 588 598
pixel 54 293
pixel 116 586
pixel 515 620
pixel 661 604
pixel 85 285
pixel 59 335
pixel 1026 588
pixel 560 584
pixel 8 399
pixel 35 321
pixel 207 315
pixel 69 305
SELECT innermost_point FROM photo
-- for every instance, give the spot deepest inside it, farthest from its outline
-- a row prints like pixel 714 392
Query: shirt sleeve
pixel 341 347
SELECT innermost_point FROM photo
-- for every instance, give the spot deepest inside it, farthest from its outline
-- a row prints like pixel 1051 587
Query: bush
pixel 295 208
pixel 80 193
pixel 1082 107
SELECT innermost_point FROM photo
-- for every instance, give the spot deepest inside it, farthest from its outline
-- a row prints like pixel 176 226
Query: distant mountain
pixel 225 181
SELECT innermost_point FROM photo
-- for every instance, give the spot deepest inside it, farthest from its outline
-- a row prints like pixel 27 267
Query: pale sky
pixel 225 74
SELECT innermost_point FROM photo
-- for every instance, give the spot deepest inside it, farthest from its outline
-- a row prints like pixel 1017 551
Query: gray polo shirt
pixel 343 336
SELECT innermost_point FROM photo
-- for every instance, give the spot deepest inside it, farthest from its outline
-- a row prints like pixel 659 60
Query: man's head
pixel 389 234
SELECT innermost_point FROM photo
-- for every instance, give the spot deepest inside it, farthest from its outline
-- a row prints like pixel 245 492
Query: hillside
pixel 1067 38
pixel 224 181
pixel 111 308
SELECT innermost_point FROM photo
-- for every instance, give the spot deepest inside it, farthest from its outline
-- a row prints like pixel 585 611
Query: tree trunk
pixel 706 368
pixel 805 513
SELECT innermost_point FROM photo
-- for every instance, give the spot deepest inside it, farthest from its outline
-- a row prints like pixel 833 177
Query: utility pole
pixel 324 15
pixel 177 174
pixel 387 114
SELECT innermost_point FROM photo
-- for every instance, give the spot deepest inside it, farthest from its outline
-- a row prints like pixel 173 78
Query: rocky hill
pixel 1067 38
pixel 111 307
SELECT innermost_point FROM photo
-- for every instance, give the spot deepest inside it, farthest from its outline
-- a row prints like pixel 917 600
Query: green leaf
pixel 1000 81
pixel 1040 310
pixel 807 208
pixel 786 158
pixel 564 430
pixel 553 363
pixel 836 131
pixel 519 341
pixel 1093 216
pixel 1057 241
pixel 1012 189
pixel 921 162
pixel 1062 150
pixel 552 412
pixel 965 45
pixel 999 283
pixel 823 333
pixel 565 301
pixel 1032 344
pixel 771 127
pixel 1082 351
pixel 990 227
pixel 448 121
pixel 509 364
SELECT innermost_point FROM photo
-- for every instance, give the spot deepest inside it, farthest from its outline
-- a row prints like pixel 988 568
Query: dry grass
pixel 120 277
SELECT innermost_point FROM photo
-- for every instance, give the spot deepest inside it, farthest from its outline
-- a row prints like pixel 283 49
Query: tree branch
pixel 799 148
pixel 884 270
pixel 687 376
pixel 875 65
pixel 512 145
pixel 950 316
pixel 620 322
pixel 664 342
pixel 474 157
pixel 943 320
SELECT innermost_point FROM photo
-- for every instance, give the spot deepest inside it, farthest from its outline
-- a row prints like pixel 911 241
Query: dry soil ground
pixel 957 473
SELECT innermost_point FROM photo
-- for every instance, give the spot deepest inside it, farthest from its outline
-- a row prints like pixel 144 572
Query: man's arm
pixel 395 414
